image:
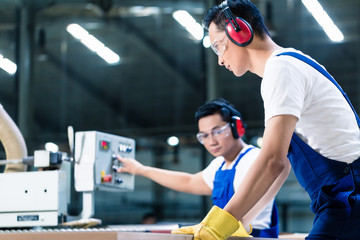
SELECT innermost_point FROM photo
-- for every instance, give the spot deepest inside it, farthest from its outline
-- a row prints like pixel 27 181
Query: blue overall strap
pixel 237 160
pixel 323 72
pixel 241 155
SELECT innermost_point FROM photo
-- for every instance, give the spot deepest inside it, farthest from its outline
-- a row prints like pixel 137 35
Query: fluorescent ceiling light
pixel 93 43
pixel 173 141
pixel 77 31
pixel 142 11
pixel 189 23
pixel 206 42
pixel 7 65
pixel 108 55
pixel 324 20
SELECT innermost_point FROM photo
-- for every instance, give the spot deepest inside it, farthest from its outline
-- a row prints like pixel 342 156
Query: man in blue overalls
pixel 225 173
pixel 220 132
pixel 309 122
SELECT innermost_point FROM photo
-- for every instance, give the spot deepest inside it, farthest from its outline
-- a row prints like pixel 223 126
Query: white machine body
pixel 33 198
pixel 40 198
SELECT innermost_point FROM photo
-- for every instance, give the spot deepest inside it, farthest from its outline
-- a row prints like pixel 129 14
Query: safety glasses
pixel 219 45
pixel 217 133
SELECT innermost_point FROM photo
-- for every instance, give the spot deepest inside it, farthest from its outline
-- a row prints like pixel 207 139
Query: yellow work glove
pixel 217 225
pixel 241 231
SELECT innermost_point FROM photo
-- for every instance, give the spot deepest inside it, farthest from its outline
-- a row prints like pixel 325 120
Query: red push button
pixel 106 178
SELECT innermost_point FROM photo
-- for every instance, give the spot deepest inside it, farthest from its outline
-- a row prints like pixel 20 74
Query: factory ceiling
pixel 163 74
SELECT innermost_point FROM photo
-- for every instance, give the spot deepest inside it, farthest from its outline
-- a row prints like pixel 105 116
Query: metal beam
pixel 25 31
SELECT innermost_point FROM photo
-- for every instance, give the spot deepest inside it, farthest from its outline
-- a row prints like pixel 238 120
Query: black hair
pixel 240 8
pixel 149 218
pixel 217 106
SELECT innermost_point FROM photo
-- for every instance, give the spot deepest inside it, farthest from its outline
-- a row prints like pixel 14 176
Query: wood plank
pixel 103 235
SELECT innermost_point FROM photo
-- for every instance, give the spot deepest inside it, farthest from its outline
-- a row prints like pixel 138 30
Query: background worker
pixel 149 218
pixel 220 131
pixel 307 118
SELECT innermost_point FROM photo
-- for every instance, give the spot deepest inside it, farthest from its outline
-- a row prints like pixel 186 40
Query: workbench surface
pixel 97 234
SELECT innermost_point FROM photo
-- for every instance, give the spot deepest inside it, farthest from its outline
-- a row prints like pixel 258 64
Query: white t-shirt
pixel 326 121
pixel 263 220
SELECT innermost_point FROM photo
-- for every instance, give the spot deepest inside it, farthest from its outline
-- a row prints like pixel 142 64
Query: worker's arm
pixel 261 182
pixel 178 181
pixel 268 172
pixel 269 195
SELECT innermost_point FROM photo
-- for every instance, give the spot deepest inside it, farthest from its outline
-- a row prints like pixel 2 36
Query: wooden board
pixel 103 235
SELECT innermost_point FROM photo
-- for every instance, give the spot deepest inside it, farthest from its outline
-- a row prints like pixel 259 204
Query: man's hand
pixel 217 225
pixel 129 165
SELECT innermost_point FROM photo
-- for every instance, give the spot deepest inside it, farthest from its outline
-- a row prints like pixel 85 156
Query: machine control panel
pixel 96 161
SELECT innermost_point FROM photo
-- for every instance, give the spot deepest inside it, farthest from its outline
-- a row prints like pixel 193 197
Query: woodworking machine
pixel 41 197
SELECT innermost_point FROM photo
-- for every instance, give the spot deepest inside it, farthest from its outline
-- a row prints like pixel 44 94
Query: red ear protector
pixel 237 29
pixel 236 124
pixel 237 127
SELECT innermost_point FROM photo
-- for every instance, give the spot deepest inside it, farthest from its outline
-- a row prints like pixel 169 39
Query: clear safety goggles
pixel 219 45
pixel 217 133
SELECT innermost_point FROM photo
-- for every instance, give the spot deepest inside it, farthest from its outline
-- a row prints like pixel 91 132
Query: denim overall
pixel 333 186
pixel 224 190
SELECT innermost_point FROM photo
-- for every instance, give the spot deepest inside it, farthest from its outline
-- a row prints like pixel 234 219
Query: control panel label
pixel 26 218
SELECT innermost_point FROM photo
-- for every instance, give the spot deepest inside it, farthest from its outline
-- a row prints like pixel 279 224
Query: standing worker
pixel 220 131
pixel 308 119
